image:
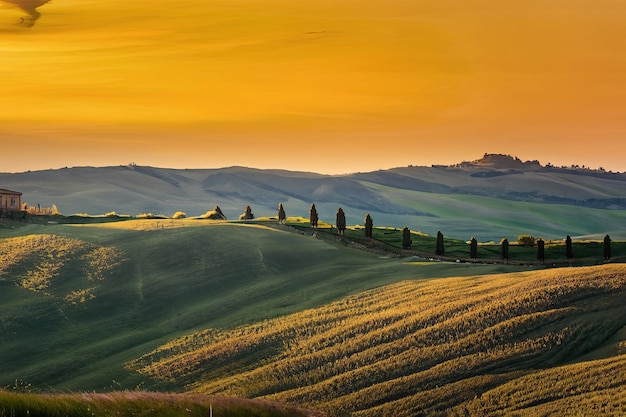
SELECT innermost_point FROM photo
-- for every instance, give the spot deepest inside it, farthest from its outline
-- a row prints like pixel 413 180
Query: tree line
pixel 368 225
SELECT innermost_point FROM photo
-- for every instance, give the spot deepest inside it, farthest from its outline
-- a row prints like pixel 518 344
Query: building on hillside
pixel 10 200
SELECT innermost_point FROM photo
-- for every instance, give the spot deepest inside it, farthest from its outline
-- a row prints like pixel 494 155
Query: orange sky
pixel 331 86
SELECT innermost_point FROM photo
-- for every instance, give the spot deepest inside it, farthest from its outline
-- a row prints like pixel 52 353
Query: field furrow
pixel 394 347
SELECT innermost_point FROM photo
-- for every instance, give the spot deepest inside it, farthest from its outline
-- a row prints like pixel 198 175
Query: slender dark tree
pixel 568 248
pixel 369 225
pixel 247 215
pixel 282 216
pixel 473 248
pixel 541 251
pixel 440 250
pixel 340 221
pixel 313 216
pixel 406 238
pixel 505 250
pixel 218 213
pixel 607 247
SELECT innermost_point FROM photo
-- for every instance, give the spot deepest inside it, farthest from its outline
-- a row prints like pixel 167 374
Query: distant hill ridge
pixel 500 161
pixel 423 198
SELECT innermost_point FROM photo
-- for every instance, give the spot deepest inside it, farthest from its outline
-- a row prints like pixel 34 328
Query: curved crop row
pixel 395 346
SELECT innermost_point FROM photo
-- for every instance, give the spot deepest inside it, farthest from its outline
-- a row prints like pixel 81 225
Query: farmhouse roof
pixel 5 191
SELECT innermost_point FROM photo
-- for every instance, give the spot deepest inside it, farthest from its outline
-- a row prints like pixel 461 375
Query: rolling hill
pixel 79 301
pixel 246 310
pixel 489 198
pixel 480 345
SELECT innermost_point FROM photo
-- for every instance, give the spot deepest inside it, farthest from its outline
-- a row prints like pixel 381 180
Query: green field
pixel 64 327
pixel 389 239
pixel 283 312
pixel 463 216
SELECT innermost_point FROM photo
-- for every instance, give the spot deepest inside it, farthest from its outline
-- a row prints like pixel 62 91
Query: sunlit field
pixel 38 262
pixel 112 293
pixel 260 309
pixel 421 347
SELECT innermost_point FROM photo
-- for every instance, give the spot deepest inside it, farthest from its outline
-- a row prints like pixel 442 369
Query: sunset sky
pixel 330 86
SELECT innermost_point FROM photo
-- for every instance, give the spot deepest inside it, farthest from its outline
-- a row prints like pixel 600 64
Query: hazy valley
pixel 493 197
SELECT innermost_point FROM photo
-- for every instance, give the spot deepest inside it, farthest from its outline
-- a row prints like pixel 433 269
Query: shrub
pixel 247 215
pixel 54 210
pixel 38 210
pixel 179 215
pixel 215 214
pixel 527 241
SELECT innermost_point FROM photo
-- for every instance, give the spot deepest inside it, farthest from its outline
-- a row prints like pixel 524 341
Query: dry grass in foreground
pixel 431 347
pixel 136 403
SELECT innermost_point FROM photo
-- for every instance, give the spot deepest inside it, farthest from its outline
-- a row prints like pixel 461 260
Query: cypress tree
pixel 541 252
pixel 473 248
pixel 218 211
pixel 568 247
pixel 440 250
pixel 505 249
pixel 607 247
pixel 340 221
pixel 313 216
pixel 406 238
pixel 281 213
pixel 247 215
pixel 369 225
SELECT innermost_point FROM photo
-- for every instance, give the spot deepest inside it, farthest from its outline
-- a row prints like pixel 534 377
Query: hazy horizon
pixel 294 169
pixel 322 86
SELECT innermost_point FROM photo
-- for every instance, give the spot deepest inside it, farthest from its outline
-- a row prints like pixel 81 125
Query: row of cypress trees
pixel 541 249
pixel 340 223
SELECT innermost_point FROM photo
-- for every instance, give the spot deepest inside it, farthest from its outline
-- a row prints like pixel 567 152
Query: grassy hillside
pixel 589 388
pixel 491 218
pixel 130 404
pixel 476 199
pixel 424 347
pixel 242 309
pixel 79 301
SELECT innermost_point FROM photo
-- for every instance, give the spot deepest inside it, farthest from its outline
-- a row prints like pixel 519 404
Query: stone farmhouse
pixel 10 200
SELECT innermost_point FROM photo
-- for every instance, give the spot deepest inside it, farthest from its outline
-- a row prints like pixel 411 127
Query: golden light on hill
pixel 197 83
